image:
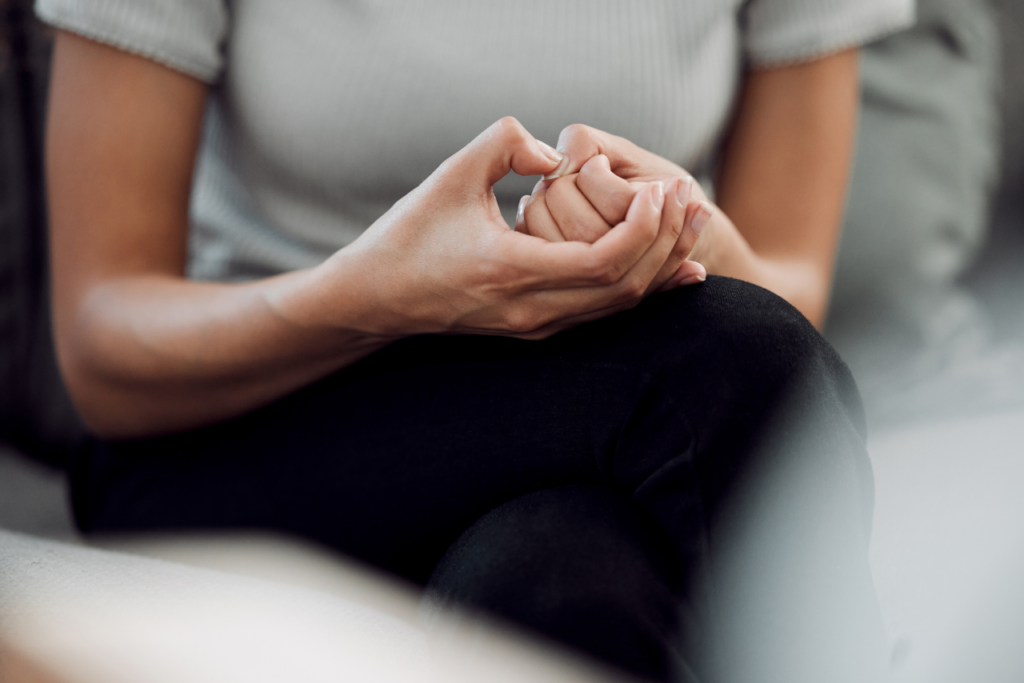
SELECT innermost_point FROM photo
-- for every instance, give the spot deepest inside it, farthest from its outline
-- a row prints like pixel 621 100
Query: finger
pixel 650 266
pixel 699 214
pixel 505 145
pixel 537 219
pixel 608 193
pixel 549 307
pixel 576 217
pixel 680 211
pixel 702 216
pixel 689 273
pixel 520 225
pixel 561 324
pixel 581 143
pixel 627 244
pixel 543 265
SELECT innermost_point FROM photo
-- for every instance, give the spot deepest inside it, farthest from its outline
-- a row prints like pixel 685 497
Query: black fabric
pixel 580 564
pixel 36 414
pixel 716 411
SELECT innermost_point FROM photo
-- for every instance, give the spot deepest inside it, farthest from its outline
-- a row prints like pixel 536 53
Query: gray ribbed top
pixel 323 113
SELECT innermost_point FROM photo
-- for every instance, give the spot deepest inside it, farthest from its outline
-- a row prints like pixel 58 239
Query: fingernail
pixel 521 211
pixel 658 195
pixel 563 166
pixel 702 217
pixel 685 191
pixel 692 280
pixel 549 151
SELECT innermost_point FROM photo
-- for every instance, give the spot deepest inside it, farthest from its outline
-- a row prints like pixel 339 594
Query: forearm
pixel 783 179
pixel 144 351
pixel 801 282
pixel 152 354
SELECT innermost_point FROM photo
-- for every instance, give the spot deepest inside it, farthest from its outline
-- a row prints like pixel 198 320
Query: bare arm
pixel 145 351
pixel 122 140
pixel 784 178
pixel 781 189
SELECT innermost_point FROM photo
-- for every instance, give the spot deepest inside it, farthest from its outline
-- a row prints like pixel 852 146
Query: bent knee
pixel 736 318
pixel 758 323
pixel 750 339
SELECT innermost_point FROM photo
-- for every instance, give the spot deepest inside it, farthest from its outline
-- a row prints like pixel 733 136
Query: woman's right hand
pixel 586 205
pixel 146 351
pixel 443 259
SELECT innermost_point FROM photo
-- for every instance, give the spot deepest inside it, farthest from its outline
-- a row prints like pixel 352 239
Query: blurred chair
pixel 921 343
pixel 928 334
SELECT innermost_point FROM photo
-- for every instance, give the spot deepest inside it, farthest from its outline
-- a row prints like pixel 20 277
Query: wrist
pixel 326 306
pixel 797 281
pixel 722 250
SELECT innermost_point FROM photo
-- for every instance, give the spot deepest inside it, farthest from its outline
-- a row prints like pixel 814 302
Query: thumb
pixel 582 143
pixel 505 146
pixel 689 273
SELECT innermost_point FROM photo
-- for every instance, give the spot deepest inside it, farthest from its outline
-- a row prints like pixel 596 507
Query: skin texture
pixel 584 206
pixel 145 351
pixel 781 190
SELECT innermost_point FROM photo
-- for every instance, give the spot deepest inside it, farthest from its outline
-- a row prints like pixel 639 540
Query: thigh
pixel 581 565
pixel 392 458
pixel 388 461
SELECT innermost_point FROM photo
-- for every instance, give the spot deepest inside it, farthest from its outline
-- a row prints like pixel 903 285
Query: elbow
pixel 804 283
pixel 815 309
pixel 86 388
pixel 813 302
pixel 103 399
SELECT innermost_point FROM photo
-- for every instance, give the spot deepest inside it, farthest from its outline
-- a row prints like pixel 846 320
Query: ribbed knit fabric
pixel 322 113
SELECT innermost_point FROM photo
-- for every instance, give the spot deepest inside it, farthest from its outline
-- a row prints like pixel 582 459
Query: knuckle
pixel 676 225
pixel 535 207
pixel 633 288
pixel 651 230
pixel 564 184
pixel 602 272
pixel 538 335
pixel 575 136
pixel 577 130
pixel 561 189
pixel 509 128
pixel 496 276
pixel 519 321
pixel 682 250
pixel 589 175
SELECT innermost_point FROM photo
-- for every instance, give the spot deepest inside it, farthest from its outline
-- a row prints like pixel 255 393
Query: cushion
pixel 926 167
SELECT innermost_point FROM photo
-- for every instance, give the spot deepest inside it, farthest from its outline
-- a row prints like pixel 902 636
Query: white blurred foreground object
pixel 948 548
pixel 79 615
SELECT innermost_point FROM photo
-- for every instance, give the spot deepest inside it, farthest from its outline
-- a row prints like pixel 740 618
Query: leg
pixel 684 404
pixel 579 564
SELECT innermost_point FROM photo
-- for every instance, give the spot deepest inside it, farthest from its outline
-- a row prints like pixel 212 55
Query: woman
pixel 250 275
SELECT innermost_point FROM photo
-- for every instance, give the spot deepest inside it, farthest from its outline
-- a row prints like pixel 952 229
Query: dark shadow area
pixel 36 415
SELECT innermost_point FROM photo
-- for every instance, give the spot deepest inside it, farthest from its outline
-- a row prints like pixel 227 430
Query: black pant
pixel 702 461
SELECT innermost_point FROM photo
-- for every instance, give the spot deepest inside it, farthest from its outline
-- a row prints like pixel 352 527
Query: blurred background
pixel 928 309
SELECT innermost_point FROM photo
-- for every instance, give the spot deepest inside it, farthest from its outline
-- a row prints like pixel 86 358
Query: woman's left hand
pixel 781 186
pixel 583 204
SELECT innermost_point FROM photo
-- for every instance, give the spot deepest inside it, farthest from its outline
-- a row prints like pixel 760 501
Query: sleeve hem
pixel 188 67
pixel 813 50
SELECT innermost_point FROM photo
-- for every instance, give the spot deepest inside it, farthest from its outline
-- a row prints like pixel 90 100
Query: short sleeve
pixel 778 32
pixel 186 35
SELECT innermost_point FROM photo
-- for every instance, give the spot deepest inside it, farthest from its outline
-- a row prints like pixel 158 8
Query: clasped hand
pixel 609 225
